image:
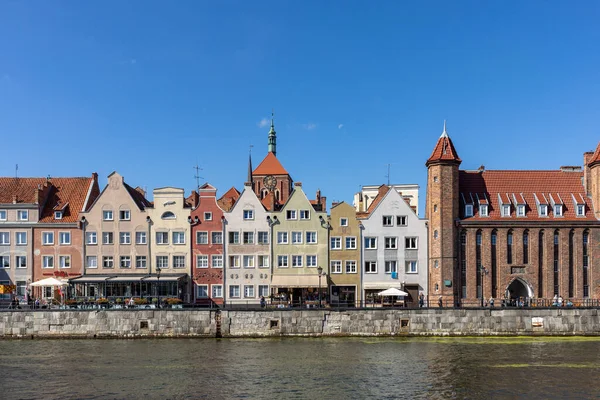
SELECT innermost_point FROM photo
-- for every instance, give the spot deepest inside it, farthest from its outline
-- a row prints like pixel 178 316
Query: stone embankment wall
pixel 378 322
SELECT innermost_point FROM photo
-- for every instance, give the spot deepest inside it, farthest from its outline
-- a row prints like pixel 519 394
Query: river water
pixel 306 368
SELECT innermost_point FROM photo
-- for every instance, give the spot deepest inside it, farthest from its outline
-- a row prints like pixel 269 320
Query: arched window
pixel 478 262
pixel 167 215
pixel 556 262
pixel 263 193
pixel 494 261
pixel 585 262
pixel 463 263
pixel 526 246
pixel 277 194
pixel 509 247
pixel 541 264
pixel 435 234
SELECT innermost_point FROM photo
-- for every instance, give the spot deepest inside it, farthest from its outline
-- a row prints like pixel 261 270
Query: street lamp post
pixel 158 284
pixel 319 271
pixel 484 272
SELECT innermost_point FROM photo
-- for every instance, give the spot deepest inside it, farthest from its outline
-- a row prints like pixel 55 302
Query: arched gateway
pixel 519 288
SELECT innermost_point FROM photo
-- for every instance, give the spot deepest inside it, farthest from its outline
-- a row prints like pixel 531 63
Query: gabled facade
pixel 170 238
pixel 300 238
pixel 116 243
pixel 248 266
pixel 207 247
pixel 394 247
pixel 345 256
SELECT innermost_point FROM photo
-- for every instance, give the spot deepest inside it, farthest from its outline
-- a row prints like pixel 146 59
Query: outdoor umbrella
pixel 50 282
pixel 392 292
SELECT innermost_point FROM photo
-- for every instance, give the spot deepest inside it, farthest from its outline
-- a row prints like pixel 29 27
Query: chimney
pixel 95 176
pixel 481 168
pixel 299 184
pixel 272 201
pixel 323 203
pixel 14 199
pixel 587 177
pixel 36 195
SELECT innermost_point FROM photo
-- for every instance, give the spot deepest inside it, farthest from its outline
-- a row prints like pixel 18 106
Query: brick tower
pixel 594 181
pixel 442 207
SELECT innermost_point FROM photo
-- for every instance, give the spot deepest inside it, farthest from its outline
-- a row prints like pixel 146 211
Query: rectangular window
pixel 107 238
pixel 107 262
pixel 401 220
pixel 217 237
pixel 370 243
pixel 311 237
pixel 47 238
pixel 234 291
pixel 558 210
pixel 248 291
pixel 483 210
pixel 217 291
pixel 543 210
pixel 390 266
pixel 178 261
pixel 22 215
pixel 336 243
pixel 391 243
pixel 304 214
pixel 351 267
pixel 107 215
pixel 336 267
pixel 343 221
pixel 234 238
pixel 410 243
pixel 125 215
pixel 234 261
pixel 370 267
pixel 248 261
pixel 208 216
pixel 58 214
pixel 282 237
pixel 21 261
pixel 521 210
pixel 248 214
pixel 468 210
pixel 140 238
pixel 411 267
pixel 387 220
pixel 217 261
pixel 5 238
pixel 47 262
pixel 201 237
pixel 263 261
pixel 290 214
pixel 91 262
pixel 263 237
pixel 2 215
pixel 296 237
pixel 263 290
pixel 297 261
pixel 311 261
pixel 350 242
pixel 21 238
pixel 506 210
pixel 248 237
pixel 5 262
pixel 179 237
pixel 580 210
pixel 282 261
pixel 64 261
pixel 140 262
pixel 201 261
pixel 125 262
pixel 124 237
pixel 64 238
pixel 202 291
pixel 162 237
pixel 162 262
pixel 91 238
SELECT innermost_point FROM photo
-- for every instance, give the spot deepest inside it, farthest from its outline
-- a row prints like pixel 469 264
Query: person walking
pixel 421 300
pixel 263 302
pixel 440 302
pixel 491 302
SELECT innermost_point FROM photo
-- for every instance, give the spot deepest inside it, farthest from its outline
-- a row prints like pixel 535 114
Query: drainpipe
pixel 224 242
pixel 83 253
pixel 149 242
pixel 360 265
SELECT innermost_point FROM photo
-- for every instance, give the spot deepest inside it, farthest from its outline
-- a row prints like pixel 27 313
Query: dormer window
pixel 468 210
pixel 521 210
pixel 58 214
pixel 506 210
pixel 483 210
pixel 543 210
pixel 580 210
pixel 558 210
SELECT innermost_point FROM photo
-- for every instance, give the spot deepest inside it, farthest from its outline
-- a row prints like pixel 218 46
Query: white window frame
pixel 17 261
pixel 335 266
pixel 236 261
pixel 282 237
pixel 543 210
pixel 47 238
pixel 47 262
pixel 216 237
pixel 520 210
pixel 313 261
pixel 409 267
pixel 261 235
pixel 468 210
pixel 125 215
pixel 63 260
pixel 483 210
pixel 141 237
pixel 162 235
pixel 390 243
pixel 89 236
pixel 309 235
pixel 22 215
pixel 201 235
pixel 234 237
pixel 58 214
pixel 248 237
pixel 372 269
pixel 176 264
pixel 401 220
pixel 248 261
pixel 208 216
pixel 141 260
pixel 249 292
pixel 281 263
pixel 343 221
pixel 505 208
pixel 124 237
pixel 216 291
pixel 107 215
pixel 350 242
pixel 110 260
pixel 387 218
pixel 580 210
pixel 297 261
pixel 64 238
pixel 265 261
pixel 291 214
pixel 369 240
pixel 390 266
pixel 5 262
pixel 162 261
pixel 297 237
pixel 89 263
pixel 263 290
pixel 180 235
pixel 305 214
pixel 125 262
pixel 336 243
pixel 350 266
pixel 408 242
pixel 216 260
pixel 233 293
pixel 3 215
pixel 202 294
pixel 19 236
pixel 559 208
pixel 201 261
pixel 248 215
pixel 111 236
pixel 6 238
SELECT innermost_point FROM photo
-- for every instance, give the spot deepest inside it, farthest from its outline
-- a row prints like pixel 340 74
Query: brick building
pixel 514 233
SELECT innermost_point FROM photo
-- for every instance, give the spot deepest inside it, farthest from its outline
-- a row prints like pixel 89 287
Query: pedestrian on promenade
pixel 440 302
pixel 263 302
pixel 491 302
pixel 421 300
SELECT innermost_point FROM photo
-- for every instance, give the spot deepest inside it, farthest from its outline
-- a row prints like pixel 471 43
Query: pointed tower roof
pixel 444 150
pixel 272 143
pixel 249 167
pixel 270 166
pixel 595 158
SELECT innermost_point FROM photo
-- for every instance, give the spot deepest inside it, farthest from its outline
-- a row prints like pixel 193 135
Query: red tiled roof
pixel 71 192
pixel 382 191
pixel 444 151
pixel 138 197
pixel 506 183
pixel 596 157
pixel 228 200
pixel 23 188
pixel 270 165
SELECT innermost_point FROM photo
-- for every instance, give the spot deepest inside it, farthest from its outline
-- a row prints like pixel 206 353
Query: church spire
pixel 444 150
pixel 250 165
pixel 272 148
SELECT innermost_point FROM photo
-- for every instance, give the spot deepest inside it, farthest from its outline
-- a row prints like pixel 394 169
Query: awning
pixel 298 281
pixel 90 278
pixel 378 285
pixel 164 278
pixel 126 278
pixel 50 282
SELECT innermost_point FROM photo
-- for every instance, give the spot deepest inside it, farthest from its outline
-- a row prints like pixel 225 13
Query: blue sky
pixel 150 88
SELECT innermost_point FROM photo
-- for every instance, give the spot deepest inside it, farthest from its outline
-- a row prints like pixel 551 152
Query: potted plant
pixel 102 302
pixel 174 302
pixel 72 303
pixel 138 301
